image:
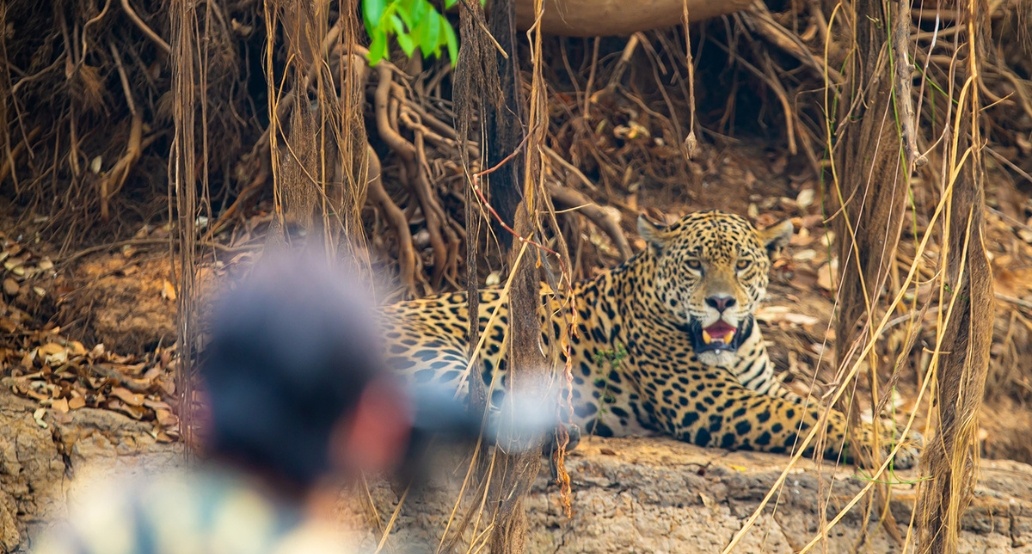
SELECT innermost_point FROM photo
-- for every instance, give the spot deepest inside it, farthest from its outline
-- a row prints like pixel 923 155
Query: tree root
pixel 566 198
pixel 407 259
pixel 443 240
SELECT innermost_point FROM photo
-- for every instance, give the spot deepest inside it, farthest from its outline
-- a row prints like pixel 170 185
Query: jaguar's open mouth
pixel 718 336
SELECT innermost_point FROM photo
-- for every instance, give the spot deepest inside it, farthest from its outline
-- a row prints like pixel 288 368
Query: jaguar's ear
pixel 776 237
pixel 655 234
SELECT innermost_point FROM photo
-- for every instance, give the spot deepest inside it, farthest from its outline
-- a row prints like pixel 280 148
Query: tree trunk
pixel 968 302
pixel 870 187
pixel 588 18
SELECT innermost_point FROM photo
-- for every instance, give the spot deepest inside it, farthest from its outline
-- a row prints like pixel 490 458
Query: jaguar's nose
pixel 720 302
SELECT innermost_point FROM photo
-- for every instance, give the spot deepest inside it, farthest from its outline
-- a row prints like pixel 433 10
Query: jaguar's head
pixel 711 271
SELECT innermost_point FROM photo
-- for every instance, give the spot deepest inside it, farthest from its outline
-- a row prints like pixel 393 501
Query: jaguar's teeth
pixel 706 338
pixel 730 335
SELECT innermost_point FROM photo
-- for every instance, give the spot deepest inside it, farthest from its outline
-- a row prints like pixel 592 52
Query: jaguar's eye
pixel 694 264
pixel 742 265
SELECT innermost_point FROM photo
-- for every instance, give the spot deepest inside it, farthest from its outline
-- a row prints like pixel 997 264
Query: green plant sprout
pixel 607 361
pixel 413 24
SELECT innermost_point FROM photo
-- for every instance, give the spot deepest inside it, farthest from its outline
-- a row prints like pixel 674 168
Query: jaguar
pixel 667 342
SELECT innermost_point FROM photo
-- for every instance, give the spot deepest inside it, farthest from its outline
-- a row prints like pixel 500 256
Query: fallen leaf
pixel 770 314
pixel 805 198
pixel 38 416
pixel 166 418
pixel 10 287
pixel 135 412
pixel 807 255
pixel 168 292
pixel 826 276
pixel 801 319
pixel 76 402
pixel 125 395
pixel 161 436
pixel 76 348
pixel 60 405
pixel 1013 282
pixel 51 348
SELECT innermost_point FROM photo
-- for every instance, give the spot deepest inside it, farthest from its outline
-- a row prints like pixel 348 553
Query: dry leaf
pixel 805 198
pixel 166 418
pixel 38 416
pixel 76 348
pixel 10 287
pixel 54 353
pixel 125 395
pixel 76 402
pixel 1013 282
pixel 168 292
pixel 800 319
pixel 770 314
pixel 826 277
pixel 60 405
pixel 161 436
pixel 807 255
pixel 51 348
pixel 135 412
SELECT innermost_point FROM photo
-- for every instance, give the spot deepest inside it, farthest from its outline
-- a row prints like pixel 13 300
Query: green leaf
pixel 402 37
pixel 377 46
pixel 405 12
pixel 449 4
pixel 372 12
pixel 430 34
pixel 420 11
pixel 450 39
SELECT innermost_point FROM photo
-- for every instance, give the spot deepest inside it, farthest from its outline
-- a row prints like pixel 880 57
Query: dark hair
pixel 291 349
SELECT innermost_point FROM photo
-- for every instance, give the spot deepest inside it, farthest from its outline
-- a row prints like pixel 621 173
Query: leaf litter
pixel 61 374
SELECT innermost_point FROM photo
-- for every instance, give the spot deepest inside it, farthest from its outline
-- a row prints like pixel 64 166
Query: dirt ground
pixel 88 353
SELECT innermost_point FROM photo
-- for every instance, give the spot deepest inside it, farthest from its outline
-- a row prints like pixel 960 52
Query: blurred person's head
pixel 295 378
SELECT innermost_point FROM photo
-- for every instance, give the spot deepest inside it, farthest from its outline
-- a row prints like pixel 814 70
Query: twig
pixel 569 198
pixel 112 181
pixel 485 30
pixel 487 205
pixel 760 20
pixel 1016 301
pixel 139 242
pixel 621 65
pixel 904 88
pixel 144 28
pixel 691 142
pixel 999 157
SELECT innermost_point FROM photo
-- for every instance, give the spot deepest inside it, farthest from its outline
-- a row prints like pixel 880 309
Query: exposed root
pixel 407 259
pixel 445 255
pixel 569 199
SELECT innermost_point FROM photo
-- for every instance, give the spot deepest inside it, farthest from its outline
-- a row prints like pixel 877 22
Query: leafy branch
pixel 413 24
